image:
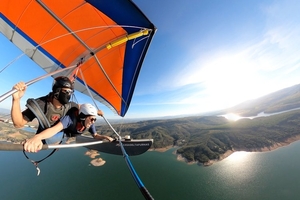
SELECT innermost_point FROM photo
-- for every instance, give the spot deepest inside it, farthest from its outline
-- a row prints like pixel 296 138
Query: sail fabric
pixel 107 40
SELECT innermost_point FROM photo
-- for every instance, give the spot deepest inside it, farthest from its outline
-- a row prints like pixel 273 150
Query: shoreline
pixel 93 154
pixel 163 149
pixel 261 150
pixel 229 152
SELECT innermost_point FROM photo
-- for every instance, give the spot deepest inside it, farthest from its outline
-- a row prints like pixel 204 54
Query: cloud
pixel 277 48
pixel 227 73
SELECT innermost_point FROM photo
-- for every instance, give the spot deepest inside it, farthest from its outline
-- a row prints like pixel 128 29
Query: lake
pixel 235 117
pixel 68 174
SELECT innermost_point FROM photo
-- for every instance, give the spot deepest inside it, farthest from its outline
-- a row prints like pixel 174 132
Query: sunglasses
pixel 93 119
pixel 67 91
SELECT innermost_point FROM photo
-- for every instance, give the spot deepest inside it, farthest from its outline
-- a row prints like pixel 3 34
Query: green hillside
pixel 206 138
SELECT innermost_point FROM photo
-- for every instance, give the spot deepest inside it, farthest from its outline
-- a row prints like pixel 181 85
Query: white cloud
pixel 224 76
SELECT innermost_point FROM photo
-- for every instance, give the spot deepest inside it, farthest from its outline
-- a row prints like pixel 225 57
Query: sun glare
pixel 240 168
pixel 232 117
pixel 238 156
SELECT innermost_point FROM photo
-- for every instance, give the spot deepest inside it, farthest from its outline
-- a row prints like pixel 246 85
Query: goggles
pixel 67 91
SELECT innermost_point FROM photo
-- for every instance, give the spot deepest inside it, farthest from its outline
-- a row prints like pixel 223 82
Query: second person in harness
pixel 75 122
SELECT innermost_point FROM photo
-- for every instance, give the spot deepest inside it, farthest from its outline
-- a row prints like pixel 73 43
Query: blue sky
pixel 205 56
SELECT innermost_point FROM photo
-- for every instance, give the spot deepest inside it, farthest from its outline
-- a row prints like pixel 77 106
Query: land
pixel 202 139
pixel 92 153
pixel 208 138
pixel 205 139
pixel 10 134
pixel 97 162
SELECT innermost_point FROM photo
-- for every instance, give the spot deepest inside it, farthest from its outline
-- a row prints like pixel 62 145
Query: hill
pixel 282 100
pixel 205 138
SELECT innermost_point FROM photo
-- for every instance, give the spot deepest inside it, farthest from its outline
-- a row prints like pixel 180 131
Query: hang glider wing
pixel 107 39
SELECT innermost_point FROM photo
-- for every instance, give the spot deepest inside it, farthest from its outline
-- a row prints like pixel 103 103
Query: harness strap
pixel 39 114
pixel 35 163
pixel 44 122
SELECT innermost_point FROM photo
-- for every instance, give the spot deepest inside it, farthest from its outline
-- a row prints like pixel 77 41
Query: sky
pixel 206 55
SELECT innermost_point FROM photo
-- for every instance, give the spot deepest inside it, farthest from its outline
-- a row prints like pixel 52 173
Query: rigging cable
pixel 134 174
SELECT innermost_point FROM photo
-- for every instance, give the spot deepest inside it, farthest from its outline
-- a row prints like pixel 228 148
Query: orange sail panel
pixel 60 34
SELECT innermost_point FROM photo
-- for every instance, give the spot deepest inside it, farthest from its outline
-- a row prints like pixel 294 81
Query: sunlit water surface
pixel 68 175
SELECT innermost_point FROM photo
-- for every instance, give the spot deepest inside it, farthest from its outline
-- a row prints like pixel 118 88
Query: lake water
pixel 235 117
pixel 68 175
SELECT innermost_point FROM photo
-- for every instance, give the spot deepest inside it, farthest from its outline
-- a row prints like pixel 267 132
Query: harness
pixel 45 120
pixel 45 112
pixel 72 130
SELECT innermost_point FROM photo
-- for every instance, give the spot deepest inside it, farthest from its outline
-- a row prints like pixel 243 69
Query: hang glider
pixel 105 40
pixel 100 44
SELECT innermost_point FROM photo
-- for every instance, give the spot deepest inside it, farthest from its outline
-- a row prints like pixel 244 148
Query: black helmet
pixel 61 82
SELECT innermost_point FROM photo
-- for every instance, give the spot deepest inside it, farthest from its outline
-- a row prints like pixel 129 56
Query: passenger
pixel 74 123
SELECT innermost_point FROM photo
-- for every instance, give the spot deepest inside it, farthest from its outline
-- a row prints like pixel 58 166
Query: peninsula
pixel 202 139
pixel 206 139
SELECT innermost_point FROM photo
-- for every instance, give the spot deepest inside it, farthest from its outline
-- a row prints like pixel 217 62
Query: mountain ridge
pixel 284 99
